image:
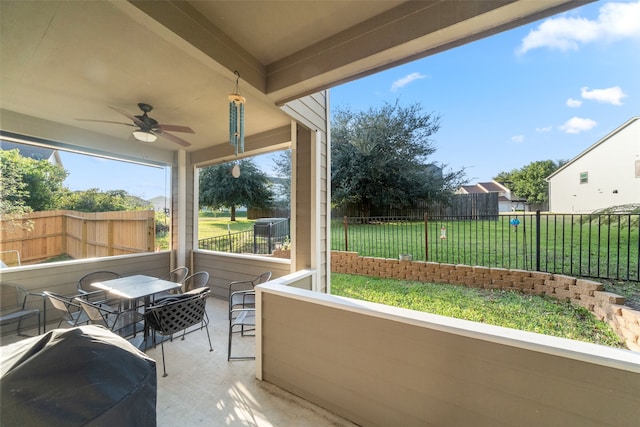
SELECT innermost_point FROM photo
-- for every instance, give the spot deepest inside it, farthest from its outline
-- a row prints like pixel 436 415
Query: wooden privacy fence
pixel 42 235
pixel 470 206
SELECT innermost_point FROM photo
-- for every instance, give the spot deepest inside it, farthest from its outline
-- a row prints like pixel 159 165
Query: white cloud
pixel 544 129
pixel 611 95
pixel 615 21
pixel 517 138
pixel 573 103
pixel 577 125
pixel 402 82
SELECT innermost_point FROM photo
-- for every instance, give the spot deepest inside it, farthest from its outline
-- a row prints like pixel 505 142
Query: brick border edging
pixel 589 294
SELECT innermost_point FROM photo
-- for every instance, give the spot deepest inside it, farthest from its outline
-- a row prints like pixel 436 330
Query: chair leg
pixel 229 348
pixel 209 337
pixel 164 368
pixel 20 325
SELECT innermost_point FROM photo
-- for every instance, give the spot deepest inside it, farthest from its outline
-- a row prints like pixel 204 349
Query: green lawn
pixel 569 244
pixel 544 315
pixel 219 224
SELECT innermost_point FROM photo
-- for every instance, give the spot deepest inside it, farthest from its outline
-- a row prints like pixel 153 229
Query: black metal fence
pixel 267 234
pixel 595 246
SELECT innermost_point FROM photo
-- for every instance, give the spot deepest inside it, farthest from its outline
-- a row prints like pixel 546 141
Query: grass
pixel 531 313
pixel 219 225
pixel 568 243
pixel 62 257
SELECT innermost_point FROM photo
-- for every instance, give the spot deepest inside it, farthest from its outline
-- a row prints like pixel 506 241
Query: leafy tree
pixel 12 188
pixel 94 200
pixel 29 184
pixel 529 182
pixel 282 167
pixel 378 158
pixel 218 188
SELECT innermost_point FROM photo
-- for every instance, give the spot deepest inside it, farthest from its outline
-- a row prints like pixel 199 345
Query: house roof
pixel 32 151
pixel 493 186
pixel 473 189
pixel 61 73
pixel 592 147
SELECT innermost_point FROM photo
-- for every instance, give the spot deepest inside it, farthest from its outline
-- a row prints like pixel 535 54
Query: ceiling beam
pixel 196 35
pixel 408 32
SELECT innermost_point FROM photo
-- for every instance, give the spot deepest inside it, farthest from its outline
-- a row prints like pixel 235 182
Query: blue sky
pixel 547 90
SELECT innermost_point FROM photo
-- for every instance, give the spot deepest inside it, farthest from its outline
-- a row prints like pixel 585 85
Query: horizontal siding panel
pixel 376 370
pixel 62 277
pixel 224 269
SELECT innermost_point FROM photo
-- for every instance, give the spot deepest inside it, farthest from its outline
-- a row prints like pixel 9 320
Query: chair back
pixel 264 277
pixel 196 280
pixel 93 311
pixel 59 302
pixel 178 313
pixel 11 297
pixel 84 284
pixel 177 275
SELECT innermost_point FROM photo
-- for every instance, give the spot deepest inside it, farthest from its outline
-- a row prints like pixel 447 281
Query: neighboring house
pixel 605 174
pixel 507 201
pixel 33 151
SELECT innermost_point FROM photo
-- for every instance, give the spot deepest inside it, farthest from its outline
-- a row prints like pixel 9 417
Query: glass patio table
pixel 135 287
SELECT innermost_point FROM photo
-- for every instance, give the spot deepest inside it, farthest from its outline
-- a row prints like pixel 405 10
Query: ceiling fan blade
pixel 172 138
pixel 133 118
pixel 106 121
pixel 176 128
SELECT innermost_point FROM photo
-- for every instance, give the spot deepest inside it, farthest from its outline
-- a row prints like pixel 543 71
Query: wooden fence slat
pixel 78 234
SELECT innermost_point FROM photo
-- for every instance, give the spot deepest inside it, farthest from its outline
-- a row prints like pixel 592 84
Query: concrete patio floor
pixel 203 388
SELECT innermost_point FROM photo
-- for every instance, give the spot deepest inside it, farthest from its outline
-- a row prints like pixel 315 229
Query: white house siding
pixel 612 171
pixel 313 112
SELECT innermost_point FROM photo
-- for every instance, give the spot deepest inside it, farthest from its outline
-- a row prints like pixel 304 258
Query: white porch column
pixel 181 208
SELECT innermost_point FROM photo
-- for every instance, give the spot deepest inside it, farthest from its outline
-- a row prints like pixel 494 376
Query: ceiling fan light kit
pixel 148 129
pixel 144 136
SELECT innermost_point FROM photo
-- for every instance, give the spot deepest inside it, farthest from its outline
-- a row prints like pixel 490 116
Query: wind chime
pixel 236 118
pixel 236 123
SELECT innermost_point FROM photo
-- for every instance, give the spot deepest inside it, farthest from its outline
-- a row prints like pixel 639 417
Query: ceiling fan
pixel 149 129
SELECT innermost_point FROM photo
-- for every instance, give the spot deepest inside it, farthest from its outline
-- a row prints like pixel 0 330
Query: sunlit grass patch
pixel 541 314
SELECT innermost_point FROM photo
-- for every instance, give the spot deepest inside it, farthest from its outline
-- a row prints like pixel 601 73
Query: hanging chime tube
pixel 241 128
pixel 236 122
pixel 231 116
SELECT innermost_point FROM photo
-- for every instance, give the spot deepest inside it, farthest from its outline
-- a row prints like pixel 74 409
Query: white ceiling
pixel 66 60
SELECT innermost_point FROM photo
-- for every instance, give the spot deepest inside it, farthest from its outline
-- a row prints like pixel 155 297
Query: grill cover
pixel 80 376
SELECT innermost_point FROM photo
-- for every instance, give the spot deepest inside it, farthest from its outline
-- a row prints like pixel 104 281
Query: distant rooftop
pixel 32 151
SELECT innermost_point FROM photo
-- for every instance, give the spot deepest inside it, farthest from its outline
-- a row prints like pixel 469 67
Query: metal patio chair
pixel 70 310
pixel 123 322
pixel 13 309
pixel 93 294
pixel 196 280
pixel 178 313
pixel 245 299
pixel 177 275
pixel 245 318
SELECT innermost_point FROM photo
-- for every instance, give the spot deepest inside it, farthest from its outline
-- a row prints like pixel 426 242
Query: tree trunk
pixel 233 213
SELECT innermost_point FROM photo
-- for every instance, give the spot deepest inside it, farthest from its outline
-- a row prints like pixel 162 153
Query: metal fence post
pixel 269 238
pixel 426 237
pixel 538 240
pixel 255 239
pixel 345 222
